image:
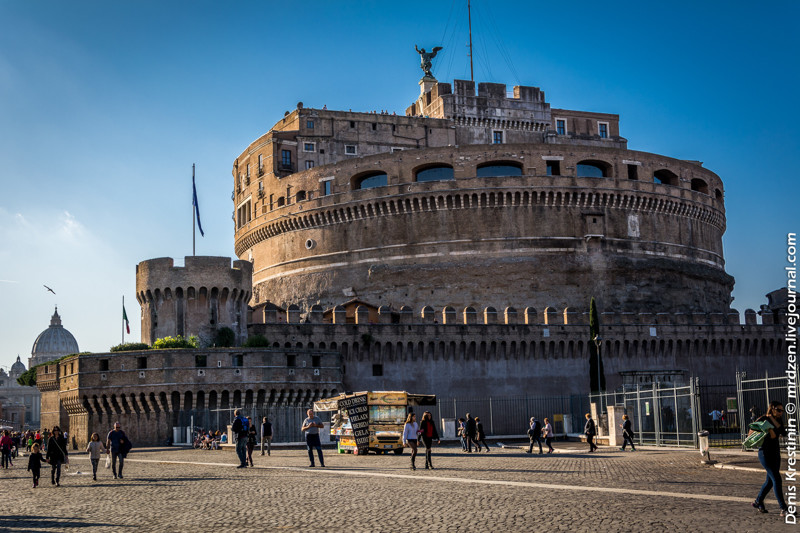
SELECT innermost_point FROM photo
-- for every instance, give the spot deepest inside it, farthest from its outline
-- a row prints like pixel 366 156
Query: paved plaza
pixel 172 489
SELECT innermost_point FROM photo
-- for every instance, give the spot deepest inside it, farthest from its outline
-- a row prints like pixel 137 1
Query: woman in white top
pixel 410 435
pixel 95 448
pixel 548 435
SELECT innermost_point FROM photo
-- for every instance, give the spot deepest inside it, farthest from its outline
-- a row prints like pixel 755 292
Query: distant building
pixel 20 404
pixel 54 342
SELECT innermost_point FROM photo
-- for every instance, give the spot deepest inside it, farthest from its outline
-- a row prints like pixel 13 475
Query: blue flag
pixel 196 207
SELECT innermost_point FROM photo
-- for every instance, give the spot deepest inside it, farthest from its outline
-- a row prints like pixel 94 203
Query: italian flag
pixel 125 319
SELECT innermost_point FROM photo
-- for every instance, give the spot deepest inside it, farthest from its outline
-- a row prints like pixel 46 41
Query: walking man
pixel 471 429
pixel 115 441
pixel 590 431
pixel 311 425
pixel 627 433
pixel 535 434
pixel 240 428
pixel 716 416
pixel 266 435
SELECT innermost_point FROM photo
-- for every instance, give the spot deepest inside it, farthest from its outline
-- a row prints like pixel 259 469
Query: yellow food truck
pixel 372 421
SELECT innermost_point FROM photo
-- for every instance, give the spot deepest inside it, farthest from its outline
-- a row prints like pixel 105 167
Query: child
pixel 93 449
pixel 35 463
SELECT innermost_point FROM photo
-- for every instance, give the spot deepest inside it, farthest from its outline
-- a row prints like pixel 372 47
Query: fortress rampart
pixel 151 391
pixel 197 299
pixel 502 353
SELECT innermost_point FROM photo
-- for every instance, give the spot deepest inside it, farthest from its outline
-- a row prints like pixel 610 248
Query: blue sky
pixel 104 106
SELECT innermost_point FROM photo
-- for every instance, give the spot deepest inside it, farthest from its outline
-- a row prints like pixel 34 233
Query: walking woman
pixel 590 431
pixel 56 454
pixel 428 432
pixel 410 435
pixel 548 434
pixel 770 457
pixel 627 433
pixel 480 435
pixel 94 449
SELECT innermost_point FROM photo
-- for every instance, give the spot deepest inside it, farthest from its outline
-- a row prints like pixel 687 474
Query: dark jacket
pixel 589 428
pixel 771 447
pixel 57 449
pixel 627 429
pixel 471 427
pixel 35 461
pixel 535 431
pixel 423 428
pixel 479 431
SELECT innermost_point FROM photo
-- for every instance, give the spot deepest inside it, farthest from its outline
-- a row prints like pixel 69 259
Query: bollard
pixel 704 448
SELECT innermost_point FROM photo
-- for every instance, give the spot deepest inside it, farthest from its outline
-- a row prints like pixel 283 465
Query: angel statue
pixel 425 60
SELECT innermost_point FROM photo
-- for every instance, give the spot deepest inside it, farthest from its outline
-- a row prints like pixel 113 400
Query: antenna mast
pixel 469 16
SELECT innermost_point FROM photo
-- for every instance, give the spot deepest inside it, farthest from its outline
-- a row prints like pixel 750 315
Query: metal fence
pixel 286 420
pixel 754 396
pixel 661 414
pixel 510 415
pixel 722 399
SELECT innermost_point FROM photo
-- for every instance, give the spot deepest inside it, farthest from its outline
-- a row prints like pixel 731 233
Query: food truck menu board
pixel 358 413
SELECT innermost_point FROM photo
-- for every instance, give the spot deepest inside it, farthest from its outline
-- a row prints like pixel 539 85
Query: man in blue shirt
pixel 114 441
pixel 240 428
pixel 311 425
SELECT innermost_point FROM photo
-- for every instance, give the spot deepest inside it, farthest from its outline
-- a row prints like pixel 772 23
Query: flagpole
pixel 193 211
pixel 123 319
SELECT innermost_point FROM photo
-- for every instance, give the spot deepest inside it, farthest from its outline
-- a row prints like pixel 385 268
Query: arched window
pixel 718 194
pixel 434 173
pixel 593 169
pixel 499 168
pixel 281 201
pixel 370 180
pixel 665 177
pixel 699 186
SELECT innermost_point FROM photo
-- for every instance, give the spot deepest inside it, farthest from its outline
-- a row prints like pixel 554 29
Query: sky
pixel 105 106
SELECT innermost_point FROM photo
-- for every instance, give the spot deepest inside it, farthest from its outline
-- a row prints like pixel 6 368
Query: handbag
pixel 759 435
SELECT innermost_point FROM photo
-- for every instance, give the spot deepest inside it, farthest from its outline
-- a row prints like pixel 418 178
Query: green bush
pixel 130 347
pixel 256 341
pixel 225 337
pixel 176 342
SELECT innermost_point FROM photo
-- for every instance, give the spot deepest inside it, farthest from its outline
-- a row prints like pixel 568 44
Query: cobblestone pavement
pixel 169 489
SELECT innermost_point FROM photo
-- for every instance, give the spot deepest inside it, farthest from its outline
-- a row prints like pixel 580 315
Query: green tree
pixel 256 341
pixel 176 342
pixel 225 337
pixel 597 376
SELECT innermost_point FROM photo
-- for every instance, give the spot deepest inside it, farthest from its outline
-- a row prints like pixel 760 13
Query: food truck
pixel 372 421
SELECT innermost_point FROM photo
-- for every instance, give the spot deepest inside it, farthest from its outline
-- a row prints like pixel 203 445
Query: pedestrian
pixel 311 425
pixel 252 439
pixel 428 432
pixel 535 434
pixel 5 448
pixel 240 430
pixel 590 430
pixel 769 454
pixel 480 436
pixel 266 435
pixel 548 434
pixel 462 433
pixel 470 430
pixel 716 416
pixel 94 449
pixel 410 434
pixel 627 433
pixel 56 455
pixel 117 443
pixel 35 463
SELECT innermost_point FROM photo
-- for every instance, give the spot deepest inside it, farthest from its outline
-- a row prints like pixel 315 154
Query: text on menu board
pixel 358 413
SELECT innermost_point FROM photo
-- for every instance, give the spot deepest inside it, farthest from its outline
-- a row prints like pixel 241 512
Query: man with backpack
pixel 535 434
pixel 240 427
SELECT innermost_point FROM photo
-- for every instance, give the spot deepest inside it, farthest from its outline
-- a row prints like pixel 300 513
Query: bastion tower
pixel 475 199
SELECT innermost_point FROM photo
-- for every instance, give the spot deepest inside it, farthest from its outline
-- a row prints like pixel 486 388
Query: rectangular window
pixel 350 149
pixel 561 126
pixel 315 360
pixel 497 137
pixel 248 170
pixel 327 188
pixel 602 128
pixel 200 361
pixel 396 149
pixel 291 360
pixel 310 124
pixel 286 158
pixel 103 365
pixel 377 370
pixel 309 147
pixel 141 362
pixel 352 123
pixel 260 164
pixel 633 172
pixel 237 359
pixel 309 165
pixel 554 168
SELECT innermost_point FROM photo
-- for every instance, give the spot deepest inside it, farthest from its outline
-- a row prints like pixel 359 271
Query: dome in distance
pixel 53 343
pixel 17 369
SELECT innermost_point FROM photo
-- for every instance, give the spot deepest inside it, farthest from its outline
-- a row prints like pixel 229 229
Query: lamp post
pixel 598 340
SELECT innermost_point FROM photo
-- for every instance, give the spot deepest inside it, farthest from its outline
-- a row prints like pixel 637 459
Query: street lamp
pixel 598 340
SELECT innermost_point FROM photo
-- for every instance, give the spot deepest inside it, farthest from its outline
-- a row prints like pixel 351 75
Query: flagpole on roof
pixel 194 201
pixel 123 319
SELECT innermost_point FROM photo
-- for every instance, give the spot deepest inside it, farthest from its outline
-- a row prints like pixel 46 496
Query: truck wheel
pixel 398 451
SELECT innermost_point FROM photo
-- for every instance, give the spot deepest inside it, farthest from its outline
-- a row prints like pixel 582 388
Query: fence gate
pixel 754 396
pixel 661 414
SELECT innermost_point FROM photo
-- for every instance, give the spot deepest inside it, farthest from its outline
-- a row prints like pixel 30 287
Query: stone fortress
pixel 452 251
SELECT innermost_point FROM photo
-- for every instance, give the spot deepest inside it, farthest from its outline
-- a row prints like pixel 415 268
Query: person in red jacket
pixel 5 447
pixel 428 433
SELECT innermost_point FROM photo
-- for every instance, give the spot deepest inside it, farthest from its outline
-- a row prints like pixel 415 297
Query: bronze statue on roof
pixel 425 60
